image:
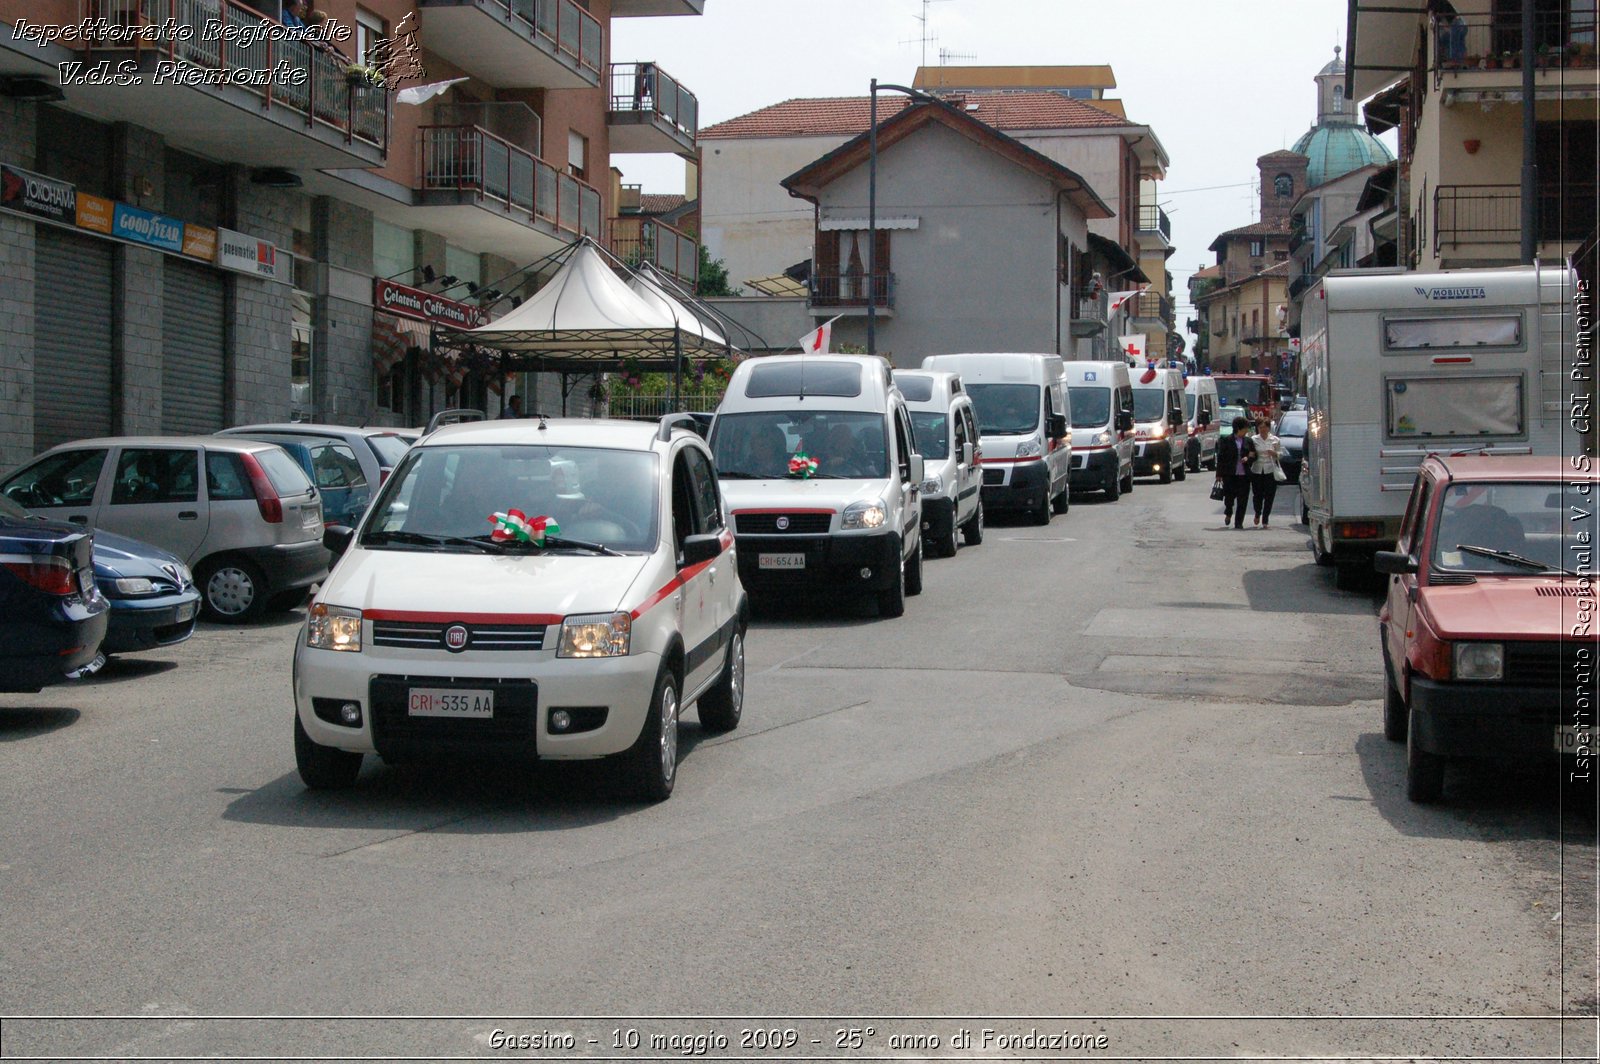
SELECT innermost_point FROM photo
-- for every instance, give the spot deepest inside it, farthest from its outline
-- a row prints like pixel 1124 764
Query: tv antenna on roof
pixel 925 37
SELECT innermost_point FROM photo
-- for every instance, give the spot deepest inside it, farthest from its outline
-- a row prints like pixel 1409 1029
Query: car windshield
pixel 286 475
pixel 932 428
pixel 846 444
pixel 1091 407
pixel 1244 392
pixel 1531 521
pixel 596 495
pixel 1292 424
pixel 1149 404
pixel 1006 409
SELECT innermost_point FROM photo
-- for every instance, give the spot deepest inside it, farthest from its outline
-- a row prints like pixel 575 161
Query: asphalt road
pixel 1123 773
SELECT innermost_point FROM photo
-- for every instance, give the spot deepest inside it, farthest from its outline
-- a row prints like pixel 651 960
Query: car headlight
pixel 1101 439
pixel 863 515
pixel 596 635
pixel 333 628
pixel 133 585
pixel 1477 661
pixel 185 576
pixel 934 485
pixel 1028 449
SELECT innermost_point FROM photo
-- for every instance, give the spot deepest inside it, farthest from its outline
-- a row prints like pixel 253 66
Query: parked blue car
pixel 332 466
pixel 52 615
pixel 154 602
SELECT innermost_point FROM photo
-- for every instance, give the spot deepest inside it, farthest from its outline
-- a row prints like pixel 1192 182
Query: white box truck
pixel 1401 365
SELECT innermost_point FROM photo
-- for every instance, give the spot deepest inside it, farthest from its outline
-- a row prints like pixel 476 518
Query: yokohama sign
pixel 425 306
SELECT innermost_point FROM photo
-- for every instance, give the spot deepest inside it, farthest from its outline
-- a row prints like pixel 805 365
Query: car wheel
pixel 972 531
pixel 914 571
pixel 1394 708
pixel 1424 771
pixel 323 768
pixel 1166 473
pixel 1180 471
pixel 892 600
pixel 721 707
pixel 1320 556
pixel 232 590
pixel 1127 483
pixel 1060 504
pixel 1113 486
pixel 947 545
pixel 1194 459
pixel 1041 506
pixel 284 601
pixel 653 759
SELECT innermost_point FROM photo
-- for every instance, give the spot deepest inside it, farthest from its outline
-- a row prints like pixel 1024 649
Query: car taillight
pixel 53 576
pixel 266 495
pixel 383 475
pixel 1358 530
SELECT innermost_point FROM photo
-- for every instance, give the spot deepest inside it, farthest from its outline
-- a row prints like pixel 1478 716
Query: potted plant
pixel 1490 62
pixel 1510 60
pixel 1542 58
pixel 360 76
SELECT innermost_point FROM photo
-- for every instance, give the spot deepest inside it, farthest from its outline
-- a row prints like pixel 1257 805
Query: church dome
pixel 1337 149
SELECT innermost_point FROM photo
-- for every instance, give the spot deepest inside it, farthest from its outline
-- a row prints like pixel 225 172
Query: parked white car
pixel 614 602
pixel 947 438
pixel 815 455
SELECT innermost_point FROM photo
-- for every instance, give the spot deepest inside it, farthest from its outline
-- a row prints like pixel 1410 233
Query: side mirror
pixel 337 539
pixel 967 454
pixel 916 469
pixel 1124 420
pixel 1055 426
pixel 1394 563
pixel 701 548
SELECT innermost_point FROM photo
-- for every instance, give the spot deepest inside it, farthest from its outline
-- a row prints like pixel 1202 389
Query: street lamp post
pixel 872 206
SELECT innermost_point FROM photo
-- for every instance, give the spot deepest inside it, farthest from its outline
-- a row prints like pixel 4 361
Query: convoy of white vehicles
pixel 1401 365
pixel 1101 397
pixel 1161 432
pixel 947 438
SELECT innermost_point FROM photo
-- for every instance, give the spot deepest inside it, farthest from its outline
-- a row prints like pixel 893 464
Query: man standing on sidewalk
pixel 1234 455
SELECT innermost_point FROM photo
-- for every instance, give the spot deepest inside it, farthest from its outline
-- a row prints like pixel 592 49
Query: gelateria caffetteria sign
pixel 425 306
pixel 244 253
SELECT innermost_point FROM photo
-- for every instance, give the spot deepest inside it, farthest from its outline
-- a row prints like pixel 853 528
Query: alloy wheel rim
pixel 669 731
pixel 230 591
pixel 737 674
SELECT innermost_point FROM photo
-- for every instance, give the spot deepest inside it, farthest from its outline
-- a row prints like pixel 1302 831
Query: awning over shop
pixel 393 336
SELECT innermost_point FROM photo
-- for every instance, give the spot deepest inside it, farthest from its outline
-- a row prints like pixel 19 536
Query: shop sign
pixel 425 306
pixel 140 226
pixel 199 242
pixel 94 212
pixel 247 254
pixel 31 193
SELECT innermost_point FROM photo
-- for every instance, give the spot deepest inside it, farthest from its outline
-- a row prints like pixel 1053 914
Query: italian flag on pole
pixel 516 525
pixel 816 341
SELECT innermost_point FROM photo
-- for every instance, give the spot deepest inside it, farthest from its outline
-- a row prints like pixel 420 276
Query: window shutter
pixel 880 252
pixel 825 270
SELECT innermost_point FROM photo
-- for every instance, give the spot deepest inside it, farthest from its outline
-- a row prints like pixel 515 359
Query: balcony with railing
pixel 673 252
pixel 1489 49
pixel 848 292
pixel 652 8
pixel 467 165
pixel 245 98
pixel 1485 221
pixel 651 111
pixel 1153 219
pixel 1149 307
pixel 517 44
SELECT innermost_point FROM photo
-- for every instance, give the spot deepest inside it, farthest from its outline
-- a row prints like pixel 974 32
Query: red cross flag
pixel 1132 347
pixel 816 341
pixel 1119 298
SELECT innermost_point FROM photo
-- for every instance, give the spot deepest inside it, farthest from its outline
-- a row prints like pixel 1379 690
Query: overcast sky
pixel 1219 81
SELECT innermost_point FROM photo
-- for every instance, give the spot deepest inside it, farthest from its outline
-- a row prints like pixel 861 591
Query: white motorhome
pixel 1022 406
pixel 947 438
pixel 1161 433
pixel 814 455
pixel 1401 365
pixel 1101 396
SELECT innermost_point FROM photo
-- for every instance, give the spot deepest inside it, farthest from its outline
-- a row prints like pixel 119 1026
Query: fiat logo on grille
pixel 455 637
pixel 783 524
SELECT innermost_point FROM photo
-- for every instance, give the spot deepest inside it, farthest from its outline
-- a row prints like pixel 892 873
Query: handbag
pixel 1278 474
pixel 1217 494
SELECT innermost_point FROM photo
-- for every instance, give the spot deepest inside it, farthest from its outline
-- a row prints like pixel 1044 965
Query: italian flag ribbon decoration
pixel 802 465
pixel 518 526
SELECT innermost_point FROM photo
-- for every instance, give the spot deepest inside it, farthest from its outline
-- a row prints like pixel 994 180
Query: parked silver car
pixel 378 450
pixel 241 513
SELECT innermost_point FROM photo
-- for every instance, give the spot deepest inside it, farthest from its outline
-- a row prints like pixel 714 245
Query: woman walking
pixel 1235 453
pixel 1264 470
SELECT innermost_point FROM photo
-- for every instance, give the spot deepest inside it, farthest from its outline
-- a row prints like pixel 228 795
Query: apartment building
pixel 205 224
pixel 1451 82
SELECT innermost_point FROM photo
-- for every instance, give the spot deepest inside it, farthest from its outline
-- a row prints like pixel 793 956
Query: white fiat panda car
pixel 576 627
pixel 815 456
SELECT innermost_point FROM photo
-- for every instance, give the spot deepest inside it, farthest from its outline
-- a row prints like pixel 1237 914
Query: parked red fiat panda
pixel 1489 630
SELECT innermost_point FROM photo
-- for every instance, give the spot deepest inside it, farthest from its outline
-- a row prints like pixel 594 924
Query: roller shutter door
pixel 191 348
pixel 72 338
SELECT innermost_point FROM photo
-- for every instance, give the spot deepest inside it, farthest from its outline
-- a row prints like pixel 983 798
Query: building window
pixel 1283 185
pixel 300 357
pixel 839 273
pixel 1255 249
pixel 1338 99
pixel 394 251
pixel 370 29
pixel 577 154
pixel 1280 256
pixel 461 264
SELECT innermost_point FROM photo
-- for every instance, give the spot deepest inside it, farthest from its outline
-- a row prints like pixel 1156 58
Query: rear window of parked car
pixel 287 477
pixel 389 449
pixel 842 379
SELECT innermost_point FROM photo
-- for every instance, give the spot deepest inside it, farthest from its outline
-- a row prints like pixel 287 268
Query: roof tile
pixel 850 115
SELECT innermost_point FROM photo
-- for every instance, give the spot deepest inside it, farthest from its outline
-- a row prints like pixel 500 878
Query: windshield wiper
pixel 739 474
pixel 562 542
pixel 428 540
pixel 1514 559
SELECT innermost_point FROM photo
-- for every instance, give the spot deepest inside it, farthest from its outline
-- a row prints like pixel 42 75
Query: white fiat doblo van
pixel 815 458
pixel 1161 432
pixel 1021 401
pixel 947 438
pixel 1101 396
